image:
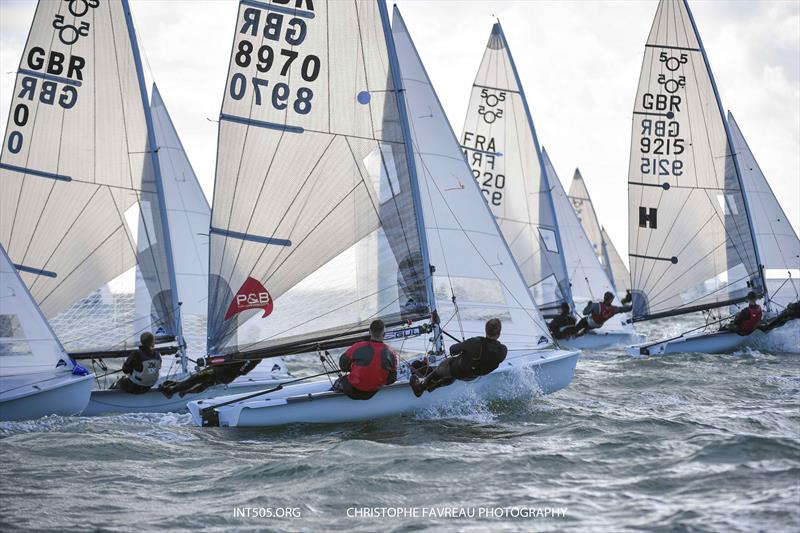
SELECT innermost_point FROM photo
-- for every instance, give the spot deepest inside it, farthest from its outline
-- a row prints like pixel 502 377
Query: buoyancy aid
pixel 370 365
pixel 749 324
pixel 151 368
pixel 606 312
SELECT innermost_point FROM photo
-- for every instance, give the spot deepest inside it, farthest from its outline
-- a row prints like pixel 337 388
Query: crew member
pixel 628 297
pixel 792 312
pixel 474 357
pixel 561 325
pixel 371 365
pixel 597 314
pixel 748 319
pixel 142 367
pixel 207 377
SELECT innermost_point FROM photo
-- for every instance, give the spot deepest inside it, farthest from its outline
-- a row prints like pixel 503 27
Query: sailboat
pixel 604 249
pixel 379 218
pixel 37 377
pixel 526 196
pixel 83 212
pixel 693 243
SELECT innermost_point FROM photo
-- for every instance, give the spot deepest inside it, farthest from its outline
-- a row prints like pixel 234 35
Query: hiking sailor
pixel 474 357
pixel 597 314
pixel 792 312
pixel 208 377
pixel 371 365
pixel 748 319
pixel 562 324
pixel 142 367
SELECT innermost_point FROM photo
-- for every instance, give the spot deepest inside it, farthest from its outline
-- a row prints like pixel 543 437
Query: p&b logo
pixel 252 295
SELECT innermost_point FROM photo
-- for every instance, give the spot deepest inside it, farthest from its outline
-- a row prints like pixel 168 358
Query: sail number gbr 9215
pixel 268 42
pixel 660 141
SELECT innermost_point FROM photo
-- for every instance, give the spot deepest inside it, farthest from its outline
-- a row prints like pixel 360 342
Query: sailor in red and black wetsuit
pixel 371 365
pixel 748 319
pixel 598 313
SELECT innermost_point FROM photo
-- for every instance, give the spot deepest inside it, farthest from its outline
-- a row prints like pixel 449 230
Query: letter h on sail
pixel 648 217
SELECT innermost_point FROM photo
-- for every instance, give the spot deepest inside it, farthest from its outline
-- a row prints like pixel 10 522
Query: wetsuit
pixel 746 320
pixel 143 367
pixel 792 312
pixel 371 366
pixel 208 377
pixel 561 325
pixel 474 357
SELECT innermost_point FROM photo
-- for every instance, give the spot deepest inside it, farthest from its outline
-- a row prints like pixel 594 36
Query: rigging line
pixel 718 289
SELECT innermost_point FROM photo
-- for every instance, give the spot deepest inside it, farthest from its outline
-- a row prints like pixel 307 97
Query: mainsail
pixel 312 169
pixel 188 218
pixel 475 276
pixel 691 244
pixel 778 245
pixel 27 344
pixel 80 198
pixel 500 144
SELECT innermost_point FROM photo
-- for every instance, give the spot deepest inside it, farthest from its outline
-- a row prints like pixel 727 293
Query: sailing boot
pixel 416 385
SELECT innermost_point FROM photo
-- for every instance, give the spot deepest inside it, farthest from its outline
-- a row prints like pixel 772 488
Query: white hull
pixel 717 342
pixel 34 396
pixel 598 340
pixel 107 401
pixel 315 403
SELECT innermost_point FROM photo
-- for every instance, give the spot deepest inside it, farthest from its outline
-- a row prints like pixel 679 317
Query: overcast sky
pixel 579 62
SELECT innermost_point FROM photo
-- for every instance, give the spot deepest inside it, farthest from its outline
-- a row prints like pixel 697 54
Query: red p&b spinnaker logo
pixel 252 295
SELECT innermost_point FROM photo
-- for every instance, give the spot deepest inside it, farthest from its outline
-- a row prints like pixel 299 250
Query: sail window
pixel 727 202
pixel 549 239
pixel 383 172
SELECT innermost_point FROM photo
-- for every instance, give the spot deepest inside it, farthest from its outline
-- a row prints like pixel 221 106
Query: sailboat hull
pixel 35 395
pixel 598 340
pixel 105 402
pixel 718 342
pixel 314 403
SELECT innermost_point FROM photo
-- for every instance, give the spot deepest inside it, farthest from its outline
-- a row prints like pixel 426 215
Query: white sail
pixel 79 199
pixel 587 276
pixel 500 144
pixel 778 245
pixel 691 246
pixel 188 217
pixel 311 168
pixel 27 344
pixel 475 276
pixel 621 276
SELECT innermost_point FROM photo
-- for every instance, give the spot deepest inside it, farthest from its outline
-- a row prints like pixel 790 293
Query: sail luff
pixel 397 85
pixel 747 210
pixel 567 290
pixel 151 142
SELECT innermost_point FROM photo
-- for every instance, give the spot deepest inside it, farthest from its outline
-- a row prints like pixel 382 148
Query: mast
pixel 759 264
pixel 397 82
pixel 151 141
pixel 568 289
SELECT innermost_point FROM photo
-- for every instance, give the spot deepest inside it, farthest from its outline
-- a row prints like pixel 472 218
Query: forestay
pixel 621 276
pixel 587 276
pixel 778 245
pixel 188 217
pixel 691 246
pixel 79 198
pixel 475 276
pixel 311 175
pixel 27 344
pixel 500 144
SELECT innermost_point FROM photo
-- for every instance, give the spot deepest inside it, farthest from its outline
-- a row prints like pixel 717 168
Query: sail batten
pixel 691 244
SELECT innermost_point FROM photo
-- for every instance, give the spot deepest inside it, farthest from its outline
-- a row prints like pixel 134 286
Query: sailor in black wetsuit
pixel 142 367
pixel 561 325
pixel 792 312
pixel 474 357
pixel 207 377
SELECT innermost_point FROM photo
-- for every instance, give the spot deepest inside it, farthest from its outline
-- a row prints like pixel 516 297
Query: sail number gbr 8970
pixel 269 41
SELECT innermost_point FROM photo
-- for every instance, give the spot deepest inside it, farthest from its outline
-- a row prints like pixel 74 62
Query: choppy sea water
pixel 678 443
